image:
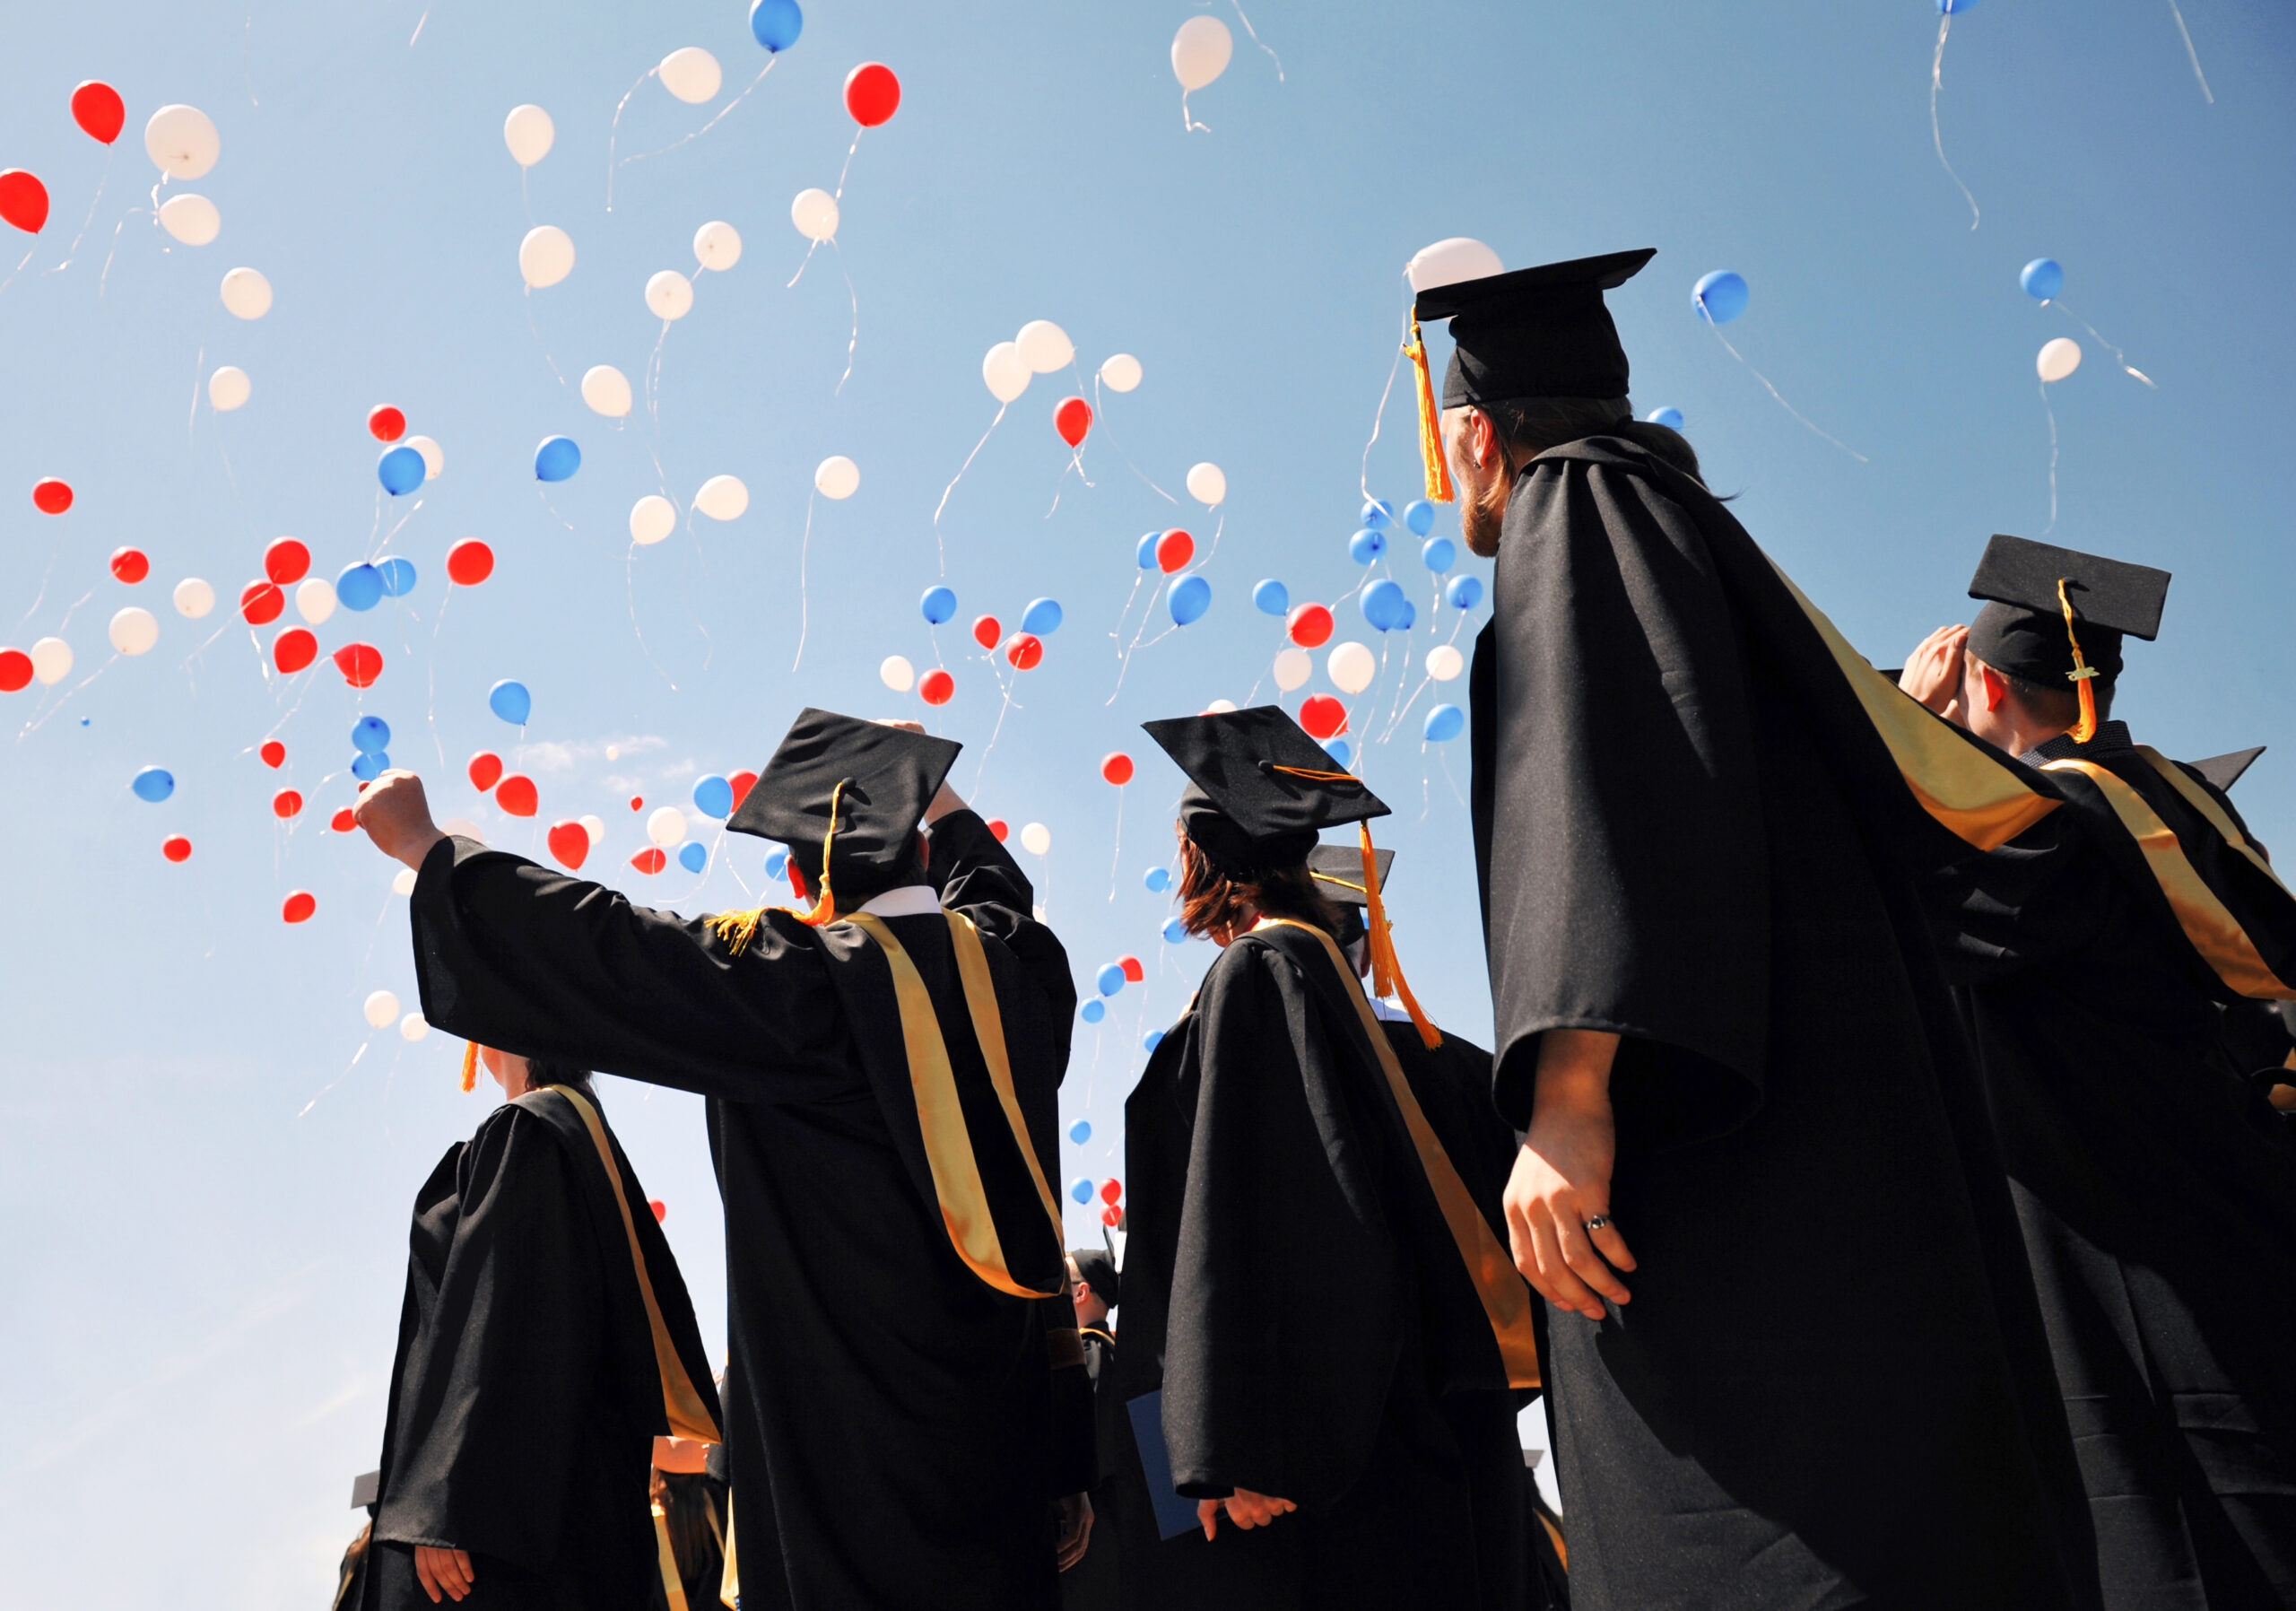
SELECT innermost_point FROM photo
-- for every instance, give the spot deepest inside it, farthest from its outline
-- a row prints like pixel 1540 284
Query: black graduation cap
pixel 1259 789
pixel 2224 771
pixel 882 779
pixel 1540 332
pixel 2024 631
pixel 1097 1266
pixel 1338 871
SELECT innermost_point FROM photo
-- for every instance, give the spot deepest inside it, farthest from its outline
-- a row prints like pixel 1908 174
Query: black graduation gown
pixel 1096 1582
pixel 526 1391
pixel 1290 1287
pixel 2156 1187
pixel 1697 820
pixel 897 1443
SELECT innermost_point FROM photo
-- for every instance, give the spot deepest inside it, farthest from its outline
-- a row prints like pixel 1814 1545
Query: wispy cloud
pixel 565 757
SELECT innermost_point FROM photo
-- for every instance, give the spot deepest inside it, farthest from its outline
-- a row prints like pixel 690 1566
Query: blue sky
pixel 207 1262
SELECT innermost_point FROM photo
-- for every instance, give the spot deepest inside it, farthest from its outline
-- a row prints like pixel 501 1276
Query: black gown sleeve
pixel 974 873
pixel 2039 899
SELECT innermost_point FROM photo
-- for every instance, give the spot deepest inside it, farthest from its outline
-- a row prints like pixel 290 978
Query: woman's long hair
pixel 1217 906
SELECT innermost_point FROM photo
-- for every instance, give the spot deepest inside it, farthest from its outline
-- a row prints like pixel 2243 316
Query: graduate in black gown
pixel 915 1424
pixel 2098 953
pixel 1314 1278
pixel 1795 1357
pixel 1096 1582
pixel 546 1339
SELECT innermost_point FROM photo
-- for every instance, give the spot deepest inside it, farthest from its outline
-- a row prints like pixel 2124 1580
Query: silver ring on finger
pixel 1598 1222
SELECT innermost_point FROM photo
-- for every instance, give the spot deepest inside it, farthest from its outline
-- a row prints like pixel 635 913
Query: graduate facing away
pixel 913 1424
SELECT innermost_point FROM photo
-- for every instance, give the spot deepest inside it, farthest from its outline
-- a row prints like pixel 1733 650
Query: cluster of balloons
pixel 404 465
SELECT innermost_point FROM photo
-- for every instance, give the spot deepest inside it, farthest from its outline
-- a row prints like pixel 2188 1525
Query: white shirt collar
pixel 908 901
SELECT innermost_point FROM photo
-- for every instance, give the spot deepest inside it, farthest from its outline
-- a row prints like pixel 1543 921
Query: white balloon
pixel 722 497
pixel 413 1027
pixel 1447 262
pixel 1200 51
pixel 1220 707
pixel 666 827
pixel 462 827
pixel 1351 667
pixel 814 213
pixel 247 293
pixel 1444 662
pixel 596 828
pixel 229 386
pixel 315 599
pixel 606 389
pixel 1036 839
pixel 652 519
pixel 434 456
pixel 133 629
pixel 1004 372
pixel 182 141
pixel 837 476
pixel 529 133
pixel 1293 667
pixel 190 219
pixel 718 245
pixel 193 597
pixel 669 295
pixel 51 659
pixel 382 1007
pixel 1120 373
pixel 1045 346
pixel 897 673
pixel 545 257
pixel 1207 483
pixel 2058 359
pixel 692 74
pixel 402 882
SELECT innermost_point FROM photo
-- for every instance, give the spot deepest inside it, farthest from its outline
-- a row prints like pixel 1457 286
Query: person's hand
pixel 447 1570
pixel 1933 672
pixel 683 1455
pixel 396 816
pixel 1562 1179
pixel 1245 1508
pixel 1074 1516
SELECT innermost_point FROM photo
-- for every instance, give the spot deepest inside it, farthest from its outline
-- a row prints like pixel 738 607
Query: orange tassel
pixel 1431 421
pixel 470 1067
pixel 1386 968
pixel 737 928
pixel 2082 675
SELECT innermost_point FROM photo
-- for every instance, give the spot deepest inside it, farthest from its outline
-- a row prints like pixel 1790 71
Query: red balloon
pixel 1110 1190
pixel 485 771
pixel 261 603
pixel 286 561
pixel 743 783
pixel 298 906
pixel 650 860
pixel 1073 419
pixel 872 94
pixel 1308 625
pixel 176 848
pixel 15 670
pixel 469 562
pixel 1112 1216
pixel 1174 549
pixel 987 630
pixel 344 819
pixel 359 663
pixel 516 795
pixel 1025 650
pixel 130 565
pixel 294 650
pixel 937 687
pixel 638 802
pixel 96 107
pixel 1116 767
pixel 1323 715
pixel 385 423
pixel 23 199
pixel 569 842
pixel 661 1209
pixel 998 828
pixel 51 496
pixel 286 802
pixel 274 754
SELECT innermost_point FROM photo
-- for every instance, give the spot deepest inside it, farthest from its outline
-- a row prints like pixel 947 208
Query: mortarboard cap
pixel 2224 771
pixel 1338 872
pixel 881 780
pixel 1259 789
pixel 2057 614
pixel 1540 332
pixel 1097 1266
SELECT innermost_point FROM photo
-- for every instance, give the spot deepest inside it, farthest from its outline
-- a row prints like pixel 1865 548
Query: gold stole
pixel 672 1585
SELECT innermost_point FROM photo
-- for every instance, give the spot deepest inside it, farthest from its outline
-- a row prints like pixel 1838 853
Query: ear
pixel 1996 686
pixel 798 881
pixel 1483 438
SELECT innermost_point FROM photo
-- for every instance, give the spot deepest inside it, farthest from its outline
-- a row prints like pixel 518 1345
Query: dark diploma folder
pixel 1174 1514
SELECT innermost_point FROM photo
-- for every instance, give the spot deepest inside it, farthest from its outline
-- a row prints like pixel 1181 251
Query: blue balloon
pixel 1367 545
pixel 1671 418
pixel 370 735
pixel 1152 1040
pixel 1081 1131
pixel 359 588
pixel 1081 1189
pixel 1272 597
pixel 775 23
pixel 2042 279
pixel 1336 748
pixel 1419 516
pixel 398 576
pixel 556 459
pixel 713 797
pixel 1465 592
pixel 368 765
pixel 693 856
pixel 1191 597
pixel 1383 603
pixel 1720 296
pixel 1410 614
pixel 776 860
pixel 1379 514
pixel 938 605
pixel 510 701
pixel 1041 616
pixel 1157 879
pixel 1955 8
pixel 153 783
pixel 1147 551
pixel 1439 554
pixel 1094 1011
pixel 400 469
pixel 1175 931
pixel 1444 723
pixel 1109 979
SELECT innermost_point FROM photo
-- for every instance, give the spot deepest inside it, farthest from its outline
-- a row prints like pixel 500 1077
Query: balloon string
pixel 615 132
pixel 1111 435
pixel 854 340
pixel 1936 136
pixel 2119 357
pixel 1394 366
pixel 2050 411
pixel 103 280
pixel 74 610
pixel 52 555
pixel 800 274
pixel 419 22
pixel 629 587
pixel 1219 526
pixel 2175 12
pixel 1115 857
pixel 1188 125
pixel 804 547
pixel 858 133
pixel 1775 393
pixel 12 273
pixel 979 772
pixel 1125 615
pixel 345 1074
pixel 247 75
pixel 73 251
pixel 537 330
pixel 1126 664
pixel 35 725
pixel 1278 60
pixel 959 476
pixel 705 127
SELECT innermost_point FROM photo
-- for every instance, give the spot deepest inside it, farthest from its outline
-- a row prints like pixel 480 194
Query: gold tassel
pixel 470 1067
pixel 1430 423
pixel 2082 675
pixel 737 928
pixel 1386 968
